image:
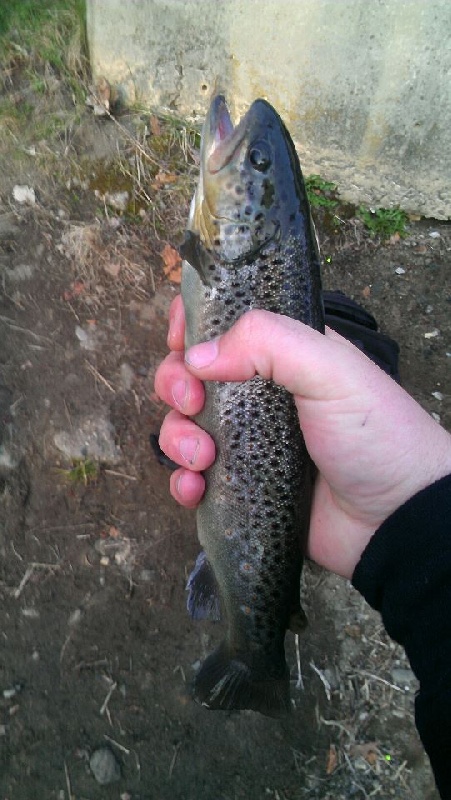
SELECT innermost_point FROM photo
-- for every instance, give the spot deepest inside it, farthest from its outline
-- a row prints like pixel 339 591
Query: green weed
pixel 321 193
pixel 384 222
pixel 83 471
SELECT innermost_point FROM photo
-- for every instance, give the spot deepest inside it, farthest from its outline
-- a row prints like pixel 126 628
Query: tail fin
pixel 226 682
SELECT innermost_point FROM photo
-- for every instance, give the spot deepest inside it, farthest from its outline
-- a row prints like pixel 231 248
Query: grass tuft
pixel 384 222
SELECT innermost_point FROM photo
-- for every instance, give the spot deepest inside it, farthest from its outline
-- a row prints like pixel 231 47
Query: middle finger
pixel 177 387
pixel 187 444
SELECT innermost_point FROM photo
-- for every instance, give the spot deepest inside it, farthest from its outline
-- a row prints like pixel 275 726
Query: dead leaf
pixel 172 264
pixel 394 238
pixel 166 177
pixel 103 91
pixel 154 124
pixel 368 750
pixel 354 631
pixel 163 179
pixel 76 289
pixel 113 268
pixel 366 292
pixel 332 760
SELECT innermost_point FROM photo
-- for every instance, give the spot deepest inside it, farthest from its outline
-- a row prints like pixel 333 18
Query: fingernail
pixel 202 355
pixel 173 325
pixel 189 448
pixel 178 484
pixel 180 394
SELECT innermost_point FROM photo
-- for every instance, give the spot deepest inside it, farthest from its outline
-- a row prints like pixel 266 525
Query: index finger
pixel 176 333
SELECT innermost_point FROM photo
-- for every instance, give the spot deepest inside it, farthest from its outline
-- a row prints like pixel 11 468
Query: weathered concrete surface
pixel 365 88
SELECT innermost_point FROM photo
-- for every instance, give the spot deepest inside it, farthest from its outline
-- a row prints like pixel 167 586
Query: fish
pixel 250 244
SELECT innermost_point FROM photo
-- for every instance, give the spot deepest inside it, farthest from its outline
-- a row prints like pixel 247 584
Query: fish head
pixel 250 191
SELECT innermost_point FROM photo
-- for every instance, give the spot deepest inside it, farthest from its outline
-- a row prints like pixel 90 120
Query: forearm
pixel 405 573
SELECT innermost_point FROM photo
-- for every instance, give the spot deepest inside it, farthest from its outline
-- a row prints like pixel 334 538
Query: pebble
pixel 434 234
pixel 24 194
pixel 127 376
pixel 432 334
pixel 400 271
pixel 104 766
pixel 20 273
pixel 87 337
pixel 117 200
pixel 437 395
pixel 91 437
pixel 403 677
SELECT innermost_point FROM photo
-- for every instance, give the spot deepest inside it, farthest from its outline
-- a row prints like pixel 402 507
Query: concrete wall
pixel 363 85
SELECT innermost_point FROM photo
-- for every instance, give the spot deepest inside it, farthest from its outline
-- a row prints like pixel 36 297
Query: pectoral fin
pixel 203 597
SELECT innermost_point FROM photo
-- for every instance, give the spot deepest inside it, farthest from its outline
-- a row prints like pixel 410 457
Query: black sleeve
pixel 405 574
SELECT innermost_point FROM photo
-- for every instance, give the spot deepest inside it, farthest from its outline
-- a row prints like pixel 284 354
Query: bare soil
pixel 96 646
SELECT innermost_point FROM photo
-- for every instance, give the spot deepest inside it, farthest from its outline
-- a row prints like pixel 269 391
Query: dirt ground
pixel 97 650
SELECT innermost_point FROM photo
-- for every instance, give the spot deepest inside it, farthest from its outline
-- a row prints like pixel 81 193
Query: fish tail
pixel 229 681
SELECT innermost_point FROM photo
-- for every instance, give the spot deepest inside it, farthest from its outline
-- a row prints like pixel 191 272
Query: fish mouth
pixel 221 138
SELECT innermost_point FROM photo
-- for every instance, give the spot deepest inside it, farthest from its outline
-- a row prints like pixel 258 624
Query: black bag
pixel 359 326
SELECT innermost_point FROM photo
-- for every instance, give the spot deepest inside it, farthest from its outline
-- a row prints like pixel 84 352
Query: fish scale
pixel 250 244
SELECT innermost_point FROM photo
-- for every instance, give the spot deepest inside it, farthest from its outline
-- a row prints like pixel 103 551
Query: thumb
pixel 292 354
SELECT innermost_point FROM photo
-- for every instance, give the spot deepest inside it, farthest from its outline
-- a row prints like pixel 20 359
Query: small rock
pixel 7 224
pixel 20 273
pixel 87 337
pixel 435 416
pixel 437 395
pixel 24 194
pixel 400 271
pixel 117 200
pixel 434 234
pixel 432 334
pixel 104 766
pixel 403 676
pixel 127 375
pixel 92 437
pixel 147 575
pixel 7 459
pixel 31 613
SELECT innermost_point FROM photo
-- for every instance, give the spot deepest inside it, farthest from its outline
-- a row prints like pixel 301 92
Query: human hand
pixel 374 446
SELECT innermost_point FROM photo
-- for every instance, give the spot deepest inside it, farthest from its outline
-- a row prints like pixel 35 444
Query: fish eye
pixel 260 157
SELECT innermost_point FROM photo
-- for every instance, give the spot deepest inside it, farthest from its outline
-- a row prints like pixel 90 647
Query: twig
pixel 116 744
pixel 28 573
pixel 323 680
pixel 15 327
pixel 299 682
pixel 381 680
pixel 120 474
pixel 104 706
pixel 99 377
pixel 174 759
pixel 69 787
pixel 332 723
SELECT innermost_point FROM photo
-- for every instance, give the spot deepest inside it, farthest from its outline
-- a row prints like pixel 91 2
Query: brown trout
pixel 250 243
